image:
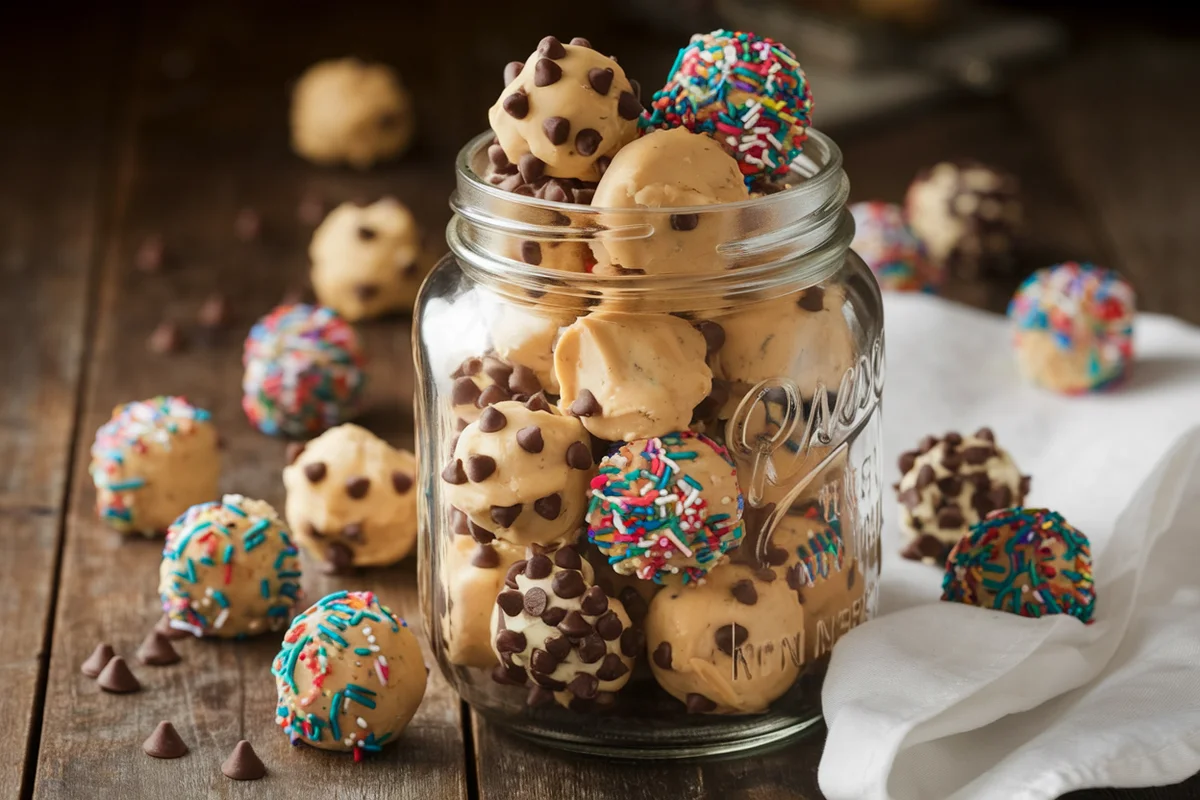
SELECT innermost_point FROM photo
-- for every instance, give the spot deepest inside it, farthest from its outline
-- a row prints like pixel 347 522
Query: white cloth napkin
pixel 938 700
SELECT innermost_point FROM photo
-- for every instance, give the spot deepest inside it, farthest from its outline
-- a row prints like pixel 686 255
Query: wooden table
pixel 168 119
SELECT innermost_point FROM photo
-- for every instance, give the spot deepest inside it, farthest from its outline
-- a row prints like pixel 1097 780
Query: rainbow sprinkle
pixel 823 553
pixel 1026 561
pixel 647 513
pixel 747 92
pixel 893 252
pixel 304 371
pixel 1080 306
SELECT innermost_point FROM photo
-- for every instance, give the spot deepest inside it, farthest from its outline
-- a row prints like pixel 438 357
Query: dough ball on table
pixel 967 214
pixel 731 645
pixel 521 472
pixel 364 259
pixel 565 113
pixel 151 462
pixel 888 246
pixel 1073 328
pixel 474 576
pixel 348 111
pixel 482 381
pixel 745 91
pixel 526 336
pixel 304 371
pixel 1027 561
pixel 557 632
pixel 350 675
pixel 352 499
pixel 666 169
pixel 229 569
pixel 631 376
pixel 949 484
pixel 666 509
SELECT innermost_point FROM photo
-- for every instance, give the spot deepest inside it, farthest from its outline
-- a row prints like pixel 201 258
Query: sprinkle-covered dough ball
pixel 667 508
pixel 304 371
pixel 894 254
pixel 1073 328
pixel 348 111
pixel 229 569
pixel 350 675
pixel 564 112
pixel 804 549
pixel 967 214
pixel 667 169
pixel 352 499
pixel 950 484
pixel 557 632
pixel 474 575
pixel 364 259
pixel 151 462
pixel 482 381
pixel 631 376
pixel 521 472
pixel 731 645
pixel 1027 561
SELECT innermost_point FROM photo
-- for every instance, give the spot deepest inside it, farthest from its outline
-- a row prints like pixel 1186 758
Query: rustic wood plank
pixel 53 143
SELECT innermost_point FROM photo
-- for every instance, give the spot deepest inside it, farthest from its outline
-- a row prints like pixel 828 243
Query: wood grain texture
pixel 53 143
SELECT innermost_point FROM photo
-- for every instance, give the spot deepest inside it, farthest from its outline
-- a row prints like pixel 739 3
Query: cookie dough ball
pixel 364 259
pixel 967 214
pixel 666 508
pixel 526 336
pixel 888 246
pixel 151 462
pixel 668 169
pixel 304 371
pixel 833 607
pixel 565 113
pixel 350 675
pixel 557 632
pixel 747 92
pixel 1073 328
pixel 348 111
pixel 805 549
pixel 482 381
pixel 1027 561
pixel 521 472
pixel 731 645
pixel 229 569
pixel 474 576
pixel 950 484
pixel 352 499
pixel 631 376
pixel 503 173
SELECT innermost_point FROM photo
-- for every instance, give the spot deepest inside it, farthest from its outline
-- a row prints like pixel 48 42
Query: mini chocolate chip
pixel 353 531
pixel 592 649
pixel 358 486
pixel 458 522
pixel 546 72
pixel 629 107
pixel 908 460
pixel 568 584
pixel 516 105
pixel 315 471
pixel 548 507
pixel 926 444
pixel 510 641
pixel 954 439
pixel 633 642
pixel 583 685
pixel 511 70
pixel 952 461
pixel 538 567
pixel 485 557
pixel 401 481
pixel 557 129
pixel 684 222
pixel 491 395
pixel 453 473
pixel 530 439
pixel 551 47
pixel 714 336
pixel 812 299
pixel 925 476
pixel 498 158
pixel 574 625
pixel 480 468
pixel 611 668
pixel 559 647
pixel 1000 497
pixel 595 602
pixel 517 568
pixel 766 575
pixel 977 455
pixel 776 556
pixel 662 656
pixel 568 558
pixel 730 637
pixel 951 485
pixel 1026 482
pixel 587 141
pixel 579 41
pixel 949 518
pixel 699 704
pixel 579 456
pixel 524 381
pixel 744 592
pixel 492 419
pixel 585 405
pixel 553 616
pixel 511 603
pixel 609 626
pixel 538 402
pixel 545 662
pixel 600 79
pixel 986 434
pixel 505 516
pixel 464 392
pixel 536 602
pixel 470 366
pixel 910 499
pixel 925 547
pixel 531 253
pixel 601 165
pixel 481 535
pixel 531 167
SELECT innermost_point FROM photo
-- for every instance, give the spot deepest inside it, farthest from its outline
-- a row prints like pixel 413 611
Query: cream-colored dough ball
pixel 474 575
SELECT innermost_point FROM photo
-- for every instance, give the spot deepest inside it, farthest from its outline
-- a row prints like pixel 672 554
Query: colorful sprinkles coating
pixel 1026 561
pixel 748 92
pixel 304 371
pixel 823 553
pixel 647 519
pixel 893 252
pixel 1081 306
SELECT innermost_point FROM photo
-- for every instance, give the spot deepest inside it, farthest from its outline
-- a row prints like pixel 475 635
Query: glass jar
pixel 787 376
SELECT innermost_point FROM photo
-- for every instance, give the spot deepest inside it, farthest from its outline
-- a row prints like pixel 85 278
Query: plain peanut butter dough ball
pixel 564 112
pixel 352 499
pixel 348 111
pixel 365 259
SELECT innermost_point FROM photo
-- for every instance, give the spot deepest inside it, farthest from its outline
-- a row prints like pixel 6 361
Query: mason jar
pixel 652 491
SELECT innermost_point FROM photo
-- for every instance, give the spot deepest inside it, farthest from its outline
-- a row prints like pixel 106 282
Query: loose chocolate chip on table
pixel 600 79
pixel 662 655
pixel 579 456
pixel 165 742
pixel 558 647
pixel 551 47
pixel 568 558
pixel 149 256
pixel 553 616
pixel 531 167
pixel 699 704
pixel 730 637
pixel 548 507
pixel 684 222
pixel 166 338
pixel 579 41
pixel 510 641
pixel 587 141
pixel 95 663
pixel 401 481
pixel 116 677
pixel 595 601
pixel 511 70
pixel 353 532
pixel 511 602
pixel 535 602
pixel 516 105
pixel 538 567
pixel 583 686
pixel 530 439
pixel 546 72
pixel 156 650
pixel 567 584
pixel 557 129
pixel 908 460
pixel 592 649
pixel 315 472
pixel 480 468
pixel 505 516
pixel 633 642
pixel 629 107
pixel 574 625
pixel 744 592
pixel 338 558
pixel 585 405
pixel 243 763
pixel 293 451
pixel 163 626
pixel 611 668
pixel 609 626
pixel 357 486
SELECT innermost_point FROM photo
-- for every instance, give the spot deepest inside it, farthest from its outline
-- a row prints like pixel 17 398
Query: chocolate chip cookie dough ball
pixel 364 259
pixel 666 509
pixel 521 472
pixel 474 576
pixel 482 381
pixel 667 169
pixel 352 499
pixel 731 645
pixel 631 376
pixel 950 484
pixel 557 632
pixel 151 462
pixel 348 111
pixel 564 112
pixel 350 675
pixel 804 549
pixel 967 214
pixel 229 569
